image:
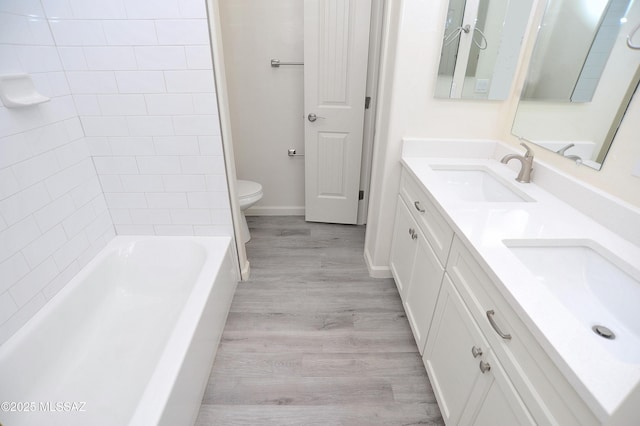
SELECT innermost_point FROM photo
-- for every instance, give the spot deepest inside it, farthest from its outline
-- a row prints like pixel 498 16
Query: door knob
pixel 312 117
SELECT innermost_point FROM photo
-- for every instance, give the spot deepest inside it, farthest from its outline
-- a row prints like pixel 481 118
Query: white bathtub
pixel 130 340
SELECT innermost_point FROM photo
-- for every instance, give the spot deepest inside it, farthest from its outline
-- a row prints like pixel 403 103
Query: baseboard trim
pixel 376 271
pixel 275 211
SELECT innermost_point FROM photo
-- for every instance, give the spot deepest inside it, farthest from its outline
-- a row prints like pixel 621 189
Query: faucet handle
pixel 529 152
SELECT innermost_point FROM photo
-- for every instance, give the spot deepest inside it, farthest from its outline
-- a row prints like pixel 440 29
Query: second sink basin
pixel 598 289
pixel 478 184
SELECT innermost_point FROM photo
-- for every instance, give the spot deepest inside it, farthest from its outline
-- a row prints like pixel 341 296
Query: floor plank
pixel 311 339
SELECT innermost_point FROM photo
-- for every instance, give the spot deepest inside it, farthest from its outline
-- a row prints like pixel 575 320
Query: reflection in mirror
pixel 480 48
pixel 577 91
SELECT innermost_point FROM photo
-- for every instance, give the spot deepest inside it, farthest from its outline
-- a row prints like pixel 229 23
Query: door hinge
pixel 361 195
pixel 367 102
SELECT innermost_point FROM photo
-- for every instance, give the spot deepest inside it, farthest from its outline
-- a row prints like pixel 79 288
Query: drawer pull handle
pixel 484 366
pixel 476 352
pixel 490 315
pixel 417 204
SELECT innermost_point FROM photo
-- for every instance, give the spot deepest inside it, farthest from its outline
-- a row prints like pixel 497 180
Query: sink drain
pixel 603 331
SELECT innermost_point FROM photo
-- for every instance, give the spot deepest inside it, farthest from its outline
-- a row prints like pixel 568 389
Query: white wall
pixel 53 216
pixel 409 73
pixel 267 111
pixel 136 78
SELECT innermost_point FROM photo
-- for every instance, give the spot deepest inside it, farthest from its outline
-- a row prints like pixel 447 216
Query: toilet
pixel 249 193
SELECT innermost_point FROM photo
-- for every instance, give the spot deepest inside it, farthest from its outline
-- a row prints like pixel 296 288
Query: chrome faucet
pixel 565 148
pixel 527 163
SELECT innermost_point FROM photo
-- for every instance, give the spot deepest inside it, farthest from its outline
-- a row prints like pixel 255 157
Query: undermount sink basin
pixel 478 185
pixel 597 288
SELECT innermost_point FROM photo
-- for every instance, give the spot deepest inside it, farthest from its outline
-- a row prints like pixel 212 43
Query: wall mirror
pixel 480 48
pixel 581 78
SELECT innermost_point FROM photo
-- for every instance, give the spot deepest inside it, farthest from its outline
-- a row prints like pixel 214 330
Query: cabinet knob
pixel 411 231
pixel 414 236
pixel 417 205
pixel 484 366
pixel 476 352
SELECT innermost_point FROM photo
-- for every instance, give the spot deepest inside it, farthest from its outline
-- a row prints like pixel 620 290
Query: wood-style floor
pixel 311 339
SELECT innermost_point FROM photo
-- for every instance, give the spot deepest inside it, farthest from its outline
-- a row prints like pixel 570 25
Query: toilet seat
pixel 248 192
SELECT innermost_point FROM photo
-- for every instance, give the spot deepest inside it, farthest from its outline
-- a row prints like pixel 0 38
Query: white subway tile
pixel 46 138
pixel 120 216
pixel 19 206
pixel 70 251
pixel 213 230
pixel 207 200
pixel 98 9
pixel 191 217
pixel 179 230
pixel 176 145
pixel 14 29
pixel 182 32
pixel 60 281
pixel 122 104
pixel 193 9
pixel 142 183
pixel 36 252
pixel 89 253
pixel 105 126
pixel 73 58
pixel 7 307
pixel 11 270
pixel 55 212
pixel 115 165
pixel 40 32
pixel 87 105
pixel 36 168
pixel 8 183
pixel 79 220
pixel 69 178
pixel 150 216
pixel 78 33
pixel 39 59
pixel 22 7
pixel 99 204
pixel 98 145
pixel 199 125
pixel 25 289
pixel 170 104
pixel 58 85
pixel 216 182
pixel 92 82
pixel 132 146
pixel 10 63
pixel 72 153
pixel 202 164
pixel 152 9
pixel 19 318
pixel 110 58
pixel 111 183
pixel 101 224
pixel 74 128
pixel 140 81
pixel 130 32
pixel 13 149
pixel 184 183
pixel 19 235
pixel 126 201
pixel 58 109
pixel 210 145
pixel 222 217
pixel 135 230
pixel 57 9
pixel 161 58
pixel 159 165
pixel 150 125
pixel 189 81
pixel 205 103
pixel 167 200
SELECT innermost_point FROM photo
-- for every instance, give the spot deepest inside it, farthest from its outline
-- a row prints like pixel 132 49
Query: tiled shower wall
pixel 53 216
pixel 141 76
pixel 136 78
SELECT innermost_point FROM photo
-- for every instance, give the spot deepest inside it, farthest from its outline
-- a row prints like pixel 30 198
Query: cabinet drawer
pixel 549 397
pixel 435 228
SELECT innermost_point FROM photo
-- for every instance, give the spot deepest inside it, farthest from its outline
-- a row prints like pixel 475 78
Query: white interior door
pixel 336 43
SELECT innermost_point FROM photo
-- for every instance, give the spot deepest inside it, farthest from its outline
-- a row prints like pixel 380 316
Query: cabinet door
pixel 452 368
pixel 403 248
pixel 422 293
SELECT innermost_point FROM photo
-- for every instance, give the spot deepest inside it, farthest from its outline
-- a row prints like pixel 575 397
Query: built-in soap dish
pixel 18 91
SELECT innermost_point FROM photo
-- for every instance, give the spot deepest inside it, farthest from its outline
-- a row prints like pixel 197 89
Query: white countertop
pixel 600 377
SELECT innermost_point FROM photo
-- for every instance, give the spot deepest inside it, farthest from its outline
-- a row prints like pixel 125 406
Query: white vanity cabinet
pixel 417 272
pixel 469 382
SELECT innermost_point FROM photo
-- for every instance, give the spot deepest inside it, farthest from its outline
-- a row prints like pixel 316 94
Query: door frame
pixel 378 12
